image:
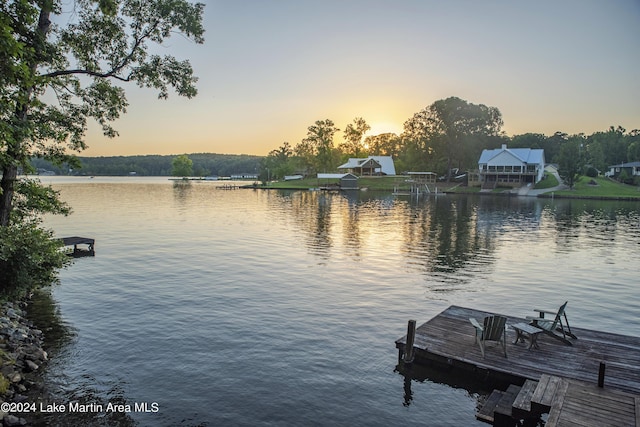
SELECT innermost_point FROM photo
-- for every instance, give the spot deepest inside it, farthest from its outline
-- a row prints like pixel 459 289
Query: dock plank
pixel 585 404
pixel 450 336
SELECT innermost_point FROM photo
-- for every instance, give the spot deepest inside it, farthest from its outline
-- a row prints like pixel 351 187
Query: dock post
pixel 411 337
pixel 601 374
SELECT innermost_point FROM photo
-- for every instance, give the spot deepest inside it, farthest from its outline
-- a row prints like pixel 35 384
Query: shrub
pixel 29 258
pixel 591 172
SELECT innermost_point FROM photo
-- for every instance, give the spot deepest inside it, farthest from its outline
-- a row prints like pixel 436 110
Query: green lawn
pixel 603 188
pixel 549 181
pixel 372 183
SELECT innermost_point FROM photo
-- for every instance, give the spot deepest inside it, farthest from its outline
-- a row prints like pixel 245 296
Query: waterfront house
pixel 508 167
pixel 632 169
pixel 372 165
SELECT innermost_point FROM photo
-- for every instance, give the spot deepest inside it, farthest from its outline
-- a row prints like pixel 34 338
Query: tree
pixel 453 129
pixel 571 160
pixel 29 255
pixel 353 134
pixel 384 144
pixel 277 164
pixel 607 148
pixel 317 150
pixel 182 166
pixel 55 77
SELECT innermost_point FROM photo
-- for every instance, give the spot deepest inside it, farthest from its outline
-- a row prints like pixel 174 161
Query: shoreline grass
pixel 600 188
pixel 604 188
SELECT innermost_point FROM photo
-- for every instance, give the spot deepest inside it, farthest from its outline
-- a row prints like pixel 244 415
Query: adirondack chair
pixel 556 326
pixel 493 329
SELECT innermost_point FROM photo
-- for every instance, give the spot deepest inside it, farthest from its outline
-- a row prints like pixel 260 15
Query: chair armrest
pixel 475 323
pixel 546 311
pixel 540 319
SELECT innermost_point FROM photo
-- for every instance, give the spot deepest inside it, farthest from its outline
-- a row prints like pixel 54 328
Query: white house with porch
pixel 372 165
pixel 509 167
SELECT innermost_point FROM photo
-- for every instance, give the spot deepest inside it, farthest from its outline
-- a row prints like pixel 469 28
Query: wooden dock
pixel 449 338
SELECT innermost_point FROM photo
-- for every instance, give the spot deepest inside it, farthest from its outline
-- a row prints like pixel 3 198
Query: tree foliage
pixel 571 160
pixel 384 144
pixel 353 145
pixel 317 151
pixel 452 129
pixel 29 255
pixel 59 72
pixel 204 164
pixel 59 69
pixel 279 163
pixel 182 166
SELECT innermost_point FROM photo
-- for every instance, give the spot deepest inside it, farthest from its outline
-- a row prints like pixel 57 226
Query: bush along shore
pixel 21 357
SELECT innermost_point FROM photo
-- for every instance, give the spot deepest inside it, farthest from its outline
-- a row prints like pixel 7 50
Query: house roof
pixel 626 165
pixel 385 164
pixel 524 155
pixel 331 175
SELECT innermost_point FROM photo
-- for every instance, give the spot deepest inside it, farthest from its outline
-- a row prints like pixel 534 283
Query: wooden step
pixel 486 412
pixel 545 392
pixel 502 416
pixel 522 405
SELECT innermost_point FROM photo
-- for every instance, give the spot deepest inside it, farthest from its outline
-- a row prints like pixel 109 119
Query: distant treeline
pixel 204 164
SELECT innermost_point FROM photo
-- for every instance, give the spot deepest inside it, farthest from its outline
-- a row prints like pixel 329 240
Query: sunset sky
pixel 270 68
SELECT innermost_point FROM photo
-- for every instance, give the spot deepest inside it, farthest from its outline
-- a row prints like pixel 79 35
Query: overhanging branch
pixel 86 72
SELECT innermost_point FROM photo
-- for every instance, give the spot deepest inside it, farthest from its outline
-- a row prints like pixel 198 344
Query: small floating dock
pixel 558 379
pixel 82 246
pixel 227 187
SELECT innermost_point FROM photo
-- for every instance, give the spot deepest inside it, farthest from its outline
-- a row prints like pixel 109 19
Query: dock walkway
pixel 575 399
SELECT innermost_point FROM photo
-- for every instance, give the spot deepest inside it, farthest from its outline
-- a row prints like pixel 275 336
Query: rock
pixel 11 420
pixel 20 397
pixel 21 354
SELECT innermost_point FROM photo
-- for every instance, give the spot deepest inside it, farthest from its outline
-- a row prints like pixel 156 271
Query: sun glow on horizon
pixel 379 128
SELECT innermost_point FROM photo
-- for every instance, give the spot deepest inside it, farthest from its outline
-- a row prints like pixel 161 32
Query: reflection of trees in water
pixel 182 192
pixel 448 238
pixel 312 212
pixel 595 221
pixel 58 387
pixel 443 237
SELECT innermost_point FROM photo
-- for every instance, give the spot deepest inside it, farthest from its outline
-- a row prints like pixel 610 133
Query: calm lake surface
pixel 250 308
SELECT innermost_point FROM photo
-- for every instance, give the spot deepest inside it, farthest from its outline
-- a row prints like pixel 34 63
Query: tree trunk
pixel 9 174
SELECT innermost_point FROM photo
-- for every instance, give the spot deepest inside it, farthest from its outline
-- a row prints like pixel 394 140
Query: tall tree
pixel 571 159
pixel 608 148
pixel 278 163
pixel 55 77
pixel 384 144
pixel 353 137
pixel 317 148
pixel 454 129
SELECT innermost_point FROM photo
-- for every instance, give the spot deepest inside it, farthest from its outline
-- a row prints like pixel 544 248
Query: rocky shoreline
pixel 21 358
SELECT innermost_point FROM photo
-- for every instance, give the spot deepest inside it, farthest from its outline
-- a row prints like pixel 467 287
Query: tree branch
pixel 111 73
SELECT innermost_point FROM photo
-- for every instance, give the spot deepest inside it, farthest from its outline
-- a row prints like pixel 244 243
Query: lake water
pixel 277 308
